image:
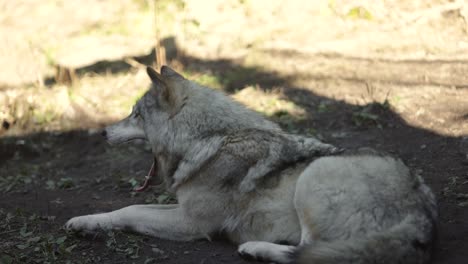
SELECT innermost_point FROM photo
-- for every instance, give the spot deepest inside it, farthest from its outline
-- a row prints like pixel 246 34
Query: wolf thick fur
pixel 237 173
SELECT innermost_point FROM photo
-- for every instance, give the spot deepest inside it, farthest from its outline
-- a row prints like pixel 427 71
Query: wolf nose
pixel 104 133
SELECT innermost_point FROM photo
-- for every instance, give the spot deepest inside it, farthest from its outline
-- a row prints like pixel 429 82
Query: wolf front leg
pixel 163 221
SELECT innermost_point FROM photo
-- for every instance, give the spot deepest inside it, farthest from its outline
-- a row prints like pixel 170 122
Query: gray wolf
pixel 235 172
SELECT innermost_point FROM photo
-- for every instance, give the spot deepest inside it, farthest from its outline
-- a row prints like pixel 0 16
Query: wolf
pixel 282 198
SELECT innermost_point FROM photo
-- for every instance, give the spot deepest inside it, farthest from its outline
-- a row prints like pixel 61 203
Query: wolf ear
pixel 165 88
pixel 170 73
pixel 154 76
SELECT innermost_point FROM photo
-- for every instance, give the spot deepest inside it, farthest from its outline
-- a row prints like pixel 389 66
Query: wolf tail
pixel 410 241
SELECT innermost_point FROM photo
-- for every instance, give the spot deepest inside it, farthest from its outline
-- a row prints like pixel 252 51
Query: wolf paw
pixel 87 224
pixel 265 251
pixel 248 251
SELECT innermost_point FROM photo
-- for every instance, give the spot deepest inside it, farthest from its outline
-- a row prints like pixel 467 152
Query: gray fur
pixel 236 172
pixel 201 121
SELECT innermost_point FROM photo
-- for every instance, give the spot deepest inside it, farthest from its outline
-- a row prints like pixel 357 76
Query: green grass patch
pixel 205 79
pixel 359 12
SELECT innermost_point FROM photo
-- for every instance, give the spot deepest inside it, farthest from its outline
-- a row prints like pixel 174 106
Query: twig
pixel 158 48
pixel 134 63
pixel 10 231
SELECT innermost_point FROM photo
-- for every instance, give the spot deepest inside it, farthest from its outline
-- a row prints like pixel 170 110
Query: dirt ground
pixel 409 98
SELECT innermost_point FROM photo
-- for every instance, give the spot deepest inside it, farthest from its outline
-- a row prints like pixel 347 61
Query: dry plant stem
pixel 158 48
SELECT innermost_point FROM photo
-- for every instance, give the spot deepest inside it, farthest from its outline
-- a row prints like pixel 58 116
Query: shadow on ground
pixel 50 177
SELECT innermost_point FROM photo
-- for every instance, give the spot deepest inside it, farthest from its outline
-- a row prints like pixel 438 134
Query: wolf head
pixel 159 103
pixel 176 111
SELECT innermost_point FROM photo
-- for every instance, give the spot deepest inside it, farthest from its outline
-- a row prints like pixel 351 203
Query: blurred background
pixel 391 75
pixel 68 64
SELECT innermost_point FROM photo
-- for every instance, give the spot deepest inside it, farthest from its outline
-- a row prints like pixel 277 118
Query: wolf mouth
pixel 123 141
pixel 148 178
